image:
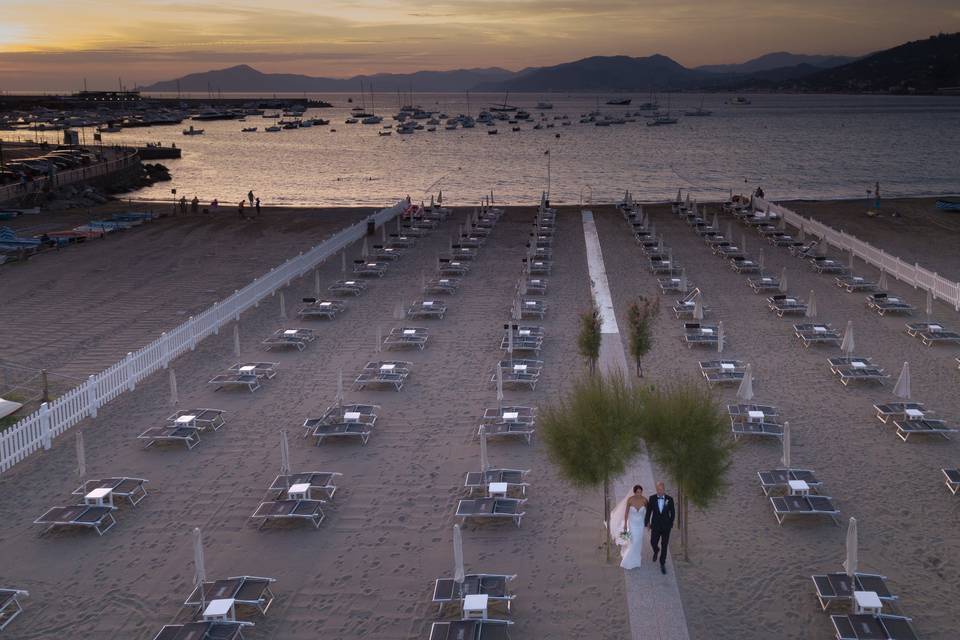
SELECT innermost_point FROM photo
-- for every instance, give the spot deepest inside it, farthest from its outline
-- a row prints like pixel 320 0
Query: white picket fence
pixel 38 429
pixel 913 274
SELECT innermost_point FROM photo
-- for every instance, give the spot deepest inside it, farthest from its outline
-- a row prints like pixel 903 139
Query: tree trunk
pixel 639 368
pixel 606 516
pixel 686 528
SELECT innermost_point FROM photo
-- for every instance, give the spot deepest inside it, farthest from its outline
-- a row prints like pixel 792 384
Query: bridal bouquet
pixel 624 538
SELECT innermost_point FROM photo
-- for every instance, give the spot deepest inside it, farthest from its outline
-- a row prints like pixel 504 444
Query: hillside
pixel 778 60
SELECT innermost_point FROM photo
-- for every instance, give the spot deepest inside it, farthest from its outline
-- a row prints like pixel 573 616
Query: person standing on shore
pixel 214 205
pixel 240 212
pixel 659 519
pixel 195 205
pixel 257 205
pixel 250 197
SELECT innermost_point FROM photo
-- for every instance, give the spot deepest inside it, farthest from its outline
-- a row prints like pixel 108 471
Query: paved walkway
pixel 653 600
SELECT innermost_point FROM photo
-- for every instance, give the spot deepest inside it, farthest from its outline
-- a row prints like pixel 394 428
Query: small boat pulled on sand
pixel 248 129
pixel 192 132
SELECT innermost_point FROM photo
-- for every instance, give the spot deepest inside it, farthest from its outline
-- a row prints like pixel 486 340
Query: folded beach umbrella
pixel 745 390
pixel 730 197
pixel 458 573
pixel 683 283
pixel 378 347
pixel 697 309
pixel 499 387
pixel 883 284
pixel 811 305
pixel 851 259
pixel 782 225
pixel 343 261
pixel 491 196
pixel 803 233
pixel 929 303
pixel 81 456
pixel 199 568
pixel 902 388
pixel 484 463
pixel 716 222
pixel 688 198
pixel 786 445
pixel 847 346
pixel 851 563
pixel 761 259
pixel 720 337
pixel 670 256
pixel 783 280
pixel 236 339
pixel 509 345
pixel 364 249
pixel 383 233
pixel 440 198
pixel 339 398
pixel 743 244
pixel 174 399
pixel 284 454
pixel 679 195
pixel 729 234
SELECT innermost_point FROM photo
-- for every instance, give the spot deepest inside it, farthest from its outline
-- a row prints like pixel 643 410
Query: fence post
pixel 131 374
pixel 45 434
pixel 92 405
pixel 193 333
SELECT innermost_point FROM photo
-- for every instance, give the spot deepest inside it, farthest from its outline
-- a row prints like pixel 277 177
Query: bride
pixel 628 516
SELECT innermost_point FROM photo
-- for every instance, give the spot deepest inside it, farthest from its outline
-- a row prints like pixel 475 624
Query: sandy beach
pixel 748 576
pixel 368 571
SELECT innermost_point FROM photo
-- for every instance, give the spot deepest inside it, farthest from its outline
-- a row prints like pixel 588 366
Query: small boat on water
pixel 948 205
pixel 192 132
pixel 504 108
pixel 739 100
pixel 661 120
pixel 698 112
pixel 623 102
pixel 544 105
pixel 248 129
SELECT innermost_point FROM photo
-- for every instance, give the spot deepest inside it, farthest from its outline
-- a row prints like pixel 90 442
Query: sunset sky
pixel 55 44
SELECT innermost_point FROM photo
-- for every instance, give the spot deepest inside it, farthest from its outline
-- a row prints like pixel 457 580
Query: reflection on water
pixel 794 146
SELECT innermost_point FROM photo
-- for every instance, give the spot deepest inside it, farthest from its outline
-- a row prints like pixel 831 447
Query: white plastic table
pixel 914 414
pixel 511 415
pixel 497 490
pixel 220 610
pixel 475 606
pixel 299 491
pixel 799 488
pixel 867 602
pixel 351 416
pixel 102 497
pixel 185 420
pixel 755 416
pixel 248 369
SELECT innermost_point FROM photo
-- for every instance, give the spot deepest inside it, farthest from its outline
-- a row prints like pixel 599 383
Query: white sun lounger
pixel 526 338
pixel 536 286
pixel 857 372
pixel 753 412
pixel 204 630
pixel 804 506
pixel 130 488
pixel 245 591
pixel 385 372
pixel 816 333
pixel 839 587
pixel 448 286
pixel 290 511
pixel 952 480
pixel 854 283
pixel 352 287
pixel 98 518
pixel 290 338
pixel 491 509
pixel 776 479
pixel 485 629
pixel 828 265
pixel 900 411
pixel 448 267
pixel 507 428
pixel 884 303
pixel 517 414
pixel 539 267
pixel 530 307
pixel 850 626
pixel 744 265
pixel 427 309
pixel 382 253
pixel 406 337
pixel 519 371
pixel 513 478
pixel 316 308
pixel 200 418
pixel 401 241
pixel 167 434
pixel 369 268
pixel 931 333
pixel 494 586
pixel 10 606
pixel 319 481
pixel 924 427
pixel 702 335
pixel 764 284
pixel 782 305
pixel 232 379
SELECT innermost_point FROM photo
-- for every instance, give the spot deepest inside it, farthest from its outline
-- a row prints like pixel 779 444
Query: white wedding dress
pixel 632 557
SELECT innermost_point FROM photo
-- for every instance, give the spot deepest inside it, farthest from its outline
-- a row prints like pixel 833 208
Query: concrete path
pixel 653 600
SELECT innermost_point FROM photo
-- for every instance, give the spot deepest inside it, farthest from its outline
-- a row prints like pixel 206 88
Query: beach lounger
pixel 884 303
pixel 290 511
pixel 365 414
pixel 729 251
pixel 530 307
pixel 427 309
pixel 460 252
pixel 401 241
pixel 369 268
pixel 526 338
pixel 352 287
pixel 486 629
pixel 804 250
pixel 381 253
pixel 781 479
pixel 519 371
pixel 263 370
pixel 409 230
pixel 952 480
pixel 762 429
pixel 98 518
pixel 781 239
pixel 513 478
pixel 491 509
pixel 924 427
pixel 663 267
pixel 508 429
pixel 858 372
pixel 290 338
pixel 828 265
pixel 492 585
pixel 816 333
pixel 516 414
pixel 854 283
pixel 539 267
pixel 201 418
pixel 342 430
pixel 763 284
pixel 245 591
pixel 536 286
pixel 316 308
pixel 316 481
pixel 703 335
pixel 722 371
pixel 673 285
pixel 900 411
pixel 385 372
pixel 130 488
pixel 852 626
pixel 749 412
pixel 10 606
pixel 744 265
pixel 406 337
pixel 849 361
pixel 931 333
pixel 791 505
pixel 448 286
pixel 233 379
pixel 782 304
pixel 168 434
pixel 205 630
pixel 839 587
pixel 448 267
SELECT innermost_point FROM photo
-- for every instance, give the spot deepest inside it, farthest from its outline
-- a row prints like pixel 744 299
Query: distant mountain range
pixel 922 66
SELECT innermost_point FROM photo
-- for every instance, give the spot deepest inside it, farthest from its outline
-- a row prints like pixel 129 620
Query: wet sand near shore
pixel 749 577
pixel 911 228
pixel 368 571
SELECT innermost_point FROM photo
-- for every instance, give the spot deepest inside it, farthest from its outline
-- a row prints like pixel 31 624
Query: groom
pixel 659 519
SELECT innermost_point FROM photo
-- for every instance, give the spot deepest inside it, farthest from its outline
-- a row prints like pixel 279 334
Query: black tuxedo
pixel 660 523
